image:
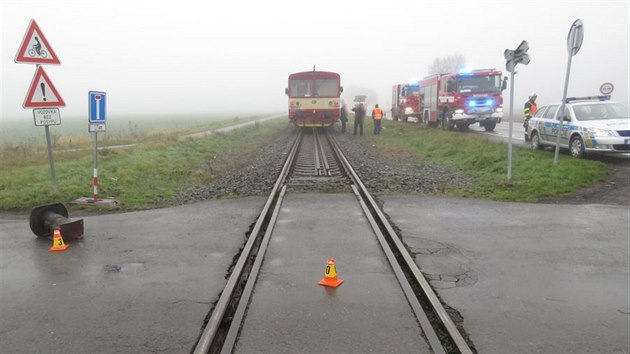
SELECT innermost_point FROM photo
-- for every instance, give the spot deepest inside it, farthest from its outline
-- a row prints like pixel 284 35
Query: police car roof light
pixel 600 98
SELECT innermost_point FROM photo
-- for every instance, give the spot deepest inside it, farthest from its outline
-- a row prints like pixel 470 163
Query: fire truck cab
pixel 457 100
pixel 406 101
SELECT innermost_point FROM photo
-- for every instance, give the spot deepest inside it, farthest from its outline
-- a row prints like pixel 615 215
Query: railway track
pixel 318 158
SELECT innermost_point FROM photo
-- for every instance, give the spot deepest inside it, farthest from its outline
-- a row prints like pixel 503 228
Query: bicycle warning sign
pixel 35 49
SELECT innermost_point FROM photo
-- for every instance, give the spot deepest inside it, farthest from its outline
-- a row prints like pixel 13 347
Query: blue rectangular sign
pixel 97 106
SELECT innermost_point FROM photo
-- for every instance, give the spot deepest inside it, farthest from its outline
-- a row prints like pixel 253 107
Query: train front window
pixel 327 87
pixel 489 83
pixel 301 88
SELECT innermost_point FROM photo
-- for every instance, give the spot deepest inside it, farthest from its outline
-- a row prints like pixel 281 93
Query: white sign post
pixel 514 57
pixel 574 43
pixel 97 118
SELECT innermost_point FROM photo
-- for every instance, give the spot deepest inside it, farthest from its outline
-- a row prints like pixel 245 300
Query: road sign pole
pixel 574 43
pixel 514 57
pixel 509 172
pixel 50 160
pixel 561 114
pixel 95 176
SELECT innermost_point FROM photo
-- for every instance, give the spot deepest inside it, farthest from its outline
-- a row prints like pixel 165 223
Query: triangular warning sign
pixel 42 92
pixel 35 49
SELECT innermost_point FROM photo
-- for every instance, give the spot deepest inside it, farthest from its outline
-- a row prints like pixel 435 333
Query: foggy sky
pixel 191 57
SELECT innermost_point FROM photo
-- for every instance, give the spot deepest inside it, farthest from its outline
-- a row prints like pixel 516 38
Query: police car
pixel 591 124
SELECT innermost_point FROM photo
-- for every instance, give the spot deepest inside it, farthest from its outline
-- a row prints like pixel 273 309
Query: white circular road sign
pixel 606 88
pixel 575 37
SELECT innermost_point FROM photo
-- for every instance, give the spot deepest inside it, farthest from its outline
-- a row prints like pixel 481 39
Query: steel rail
pixel 210 331
pixel 322 153
pixel 318 165
pixel 421 316
pixel 237 319
pixel 456 337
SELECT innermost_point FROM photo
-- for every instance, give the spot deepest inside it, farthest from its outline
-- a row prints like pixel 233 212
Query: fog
pixel 158 57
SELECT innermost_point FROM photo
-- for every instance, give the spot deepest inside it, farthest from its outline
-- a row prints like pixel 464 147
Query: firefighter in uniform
pixel 377 116
pixel 530 110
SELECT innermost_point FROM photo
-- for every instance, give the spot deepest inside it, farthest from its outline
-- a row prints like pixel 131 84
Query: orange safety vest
pixel 378 113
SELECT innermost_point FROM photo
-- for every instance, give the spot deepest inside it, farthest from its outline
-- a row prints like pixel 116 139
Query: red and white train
pixel 314 98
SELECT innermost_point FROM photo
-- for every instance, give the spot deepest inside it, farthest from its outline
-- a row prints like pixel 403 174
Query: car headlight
pixel 459 111
pixel 600 132
pixel 408 110
pixel 499 110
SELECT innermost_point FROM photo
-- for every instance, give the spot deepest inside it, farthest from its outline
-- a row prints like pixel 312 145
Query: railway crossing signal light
pixel 45 219
pixel 330 276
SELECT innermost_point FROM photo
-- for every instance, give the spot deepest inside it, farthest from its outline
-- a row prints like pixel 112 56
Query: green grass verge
pixel 534 176
pixel 145 176
pixel 150 174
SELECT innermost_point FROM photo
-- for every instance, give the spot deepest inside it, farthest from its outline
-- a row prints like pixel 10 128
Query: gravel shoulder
pixel 390 175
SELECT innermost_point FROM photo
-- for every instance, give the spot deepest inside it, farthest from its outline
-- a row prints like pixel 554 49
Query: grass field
pixel 144 176
pixel 22 142
pixel 17 130
pixel 150 174
pixel 534 176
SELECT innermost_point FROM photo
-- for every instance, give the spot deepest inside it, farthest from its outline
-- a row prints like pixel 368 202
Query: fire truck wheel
pixel 489 126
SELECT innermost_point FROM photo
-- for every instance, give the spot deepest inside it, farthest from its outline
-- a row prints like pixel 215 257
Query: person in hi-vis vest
pixel 377 116
pixel 530 109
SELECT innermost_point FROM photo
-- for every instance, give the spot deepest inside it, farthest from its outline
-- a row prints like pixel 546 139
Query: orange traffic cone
pixel 58 244
pixel 330 277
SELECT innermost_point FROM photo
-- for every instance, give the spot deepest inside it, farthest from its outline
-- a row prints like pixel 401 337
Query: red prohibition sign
pixel 606 88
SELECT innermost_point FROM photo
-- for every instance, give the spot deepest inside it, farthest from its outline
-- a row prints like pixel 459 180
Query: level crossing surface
pixel 291 313
pixel 525 277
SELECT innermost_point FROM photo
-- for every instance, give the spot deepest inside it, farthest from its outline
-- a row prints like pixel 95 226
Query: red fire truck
pixel 406 101
pixel 464 98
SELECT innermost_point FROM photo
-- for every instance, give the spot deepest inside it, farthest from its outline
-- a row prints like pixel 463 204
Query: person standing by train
pixel 377 116
pixel 343 117
pixel 359 113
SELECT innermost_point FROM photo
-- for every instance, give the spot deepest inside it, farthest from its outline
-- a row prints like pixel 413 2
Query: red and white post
pixel 95 177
